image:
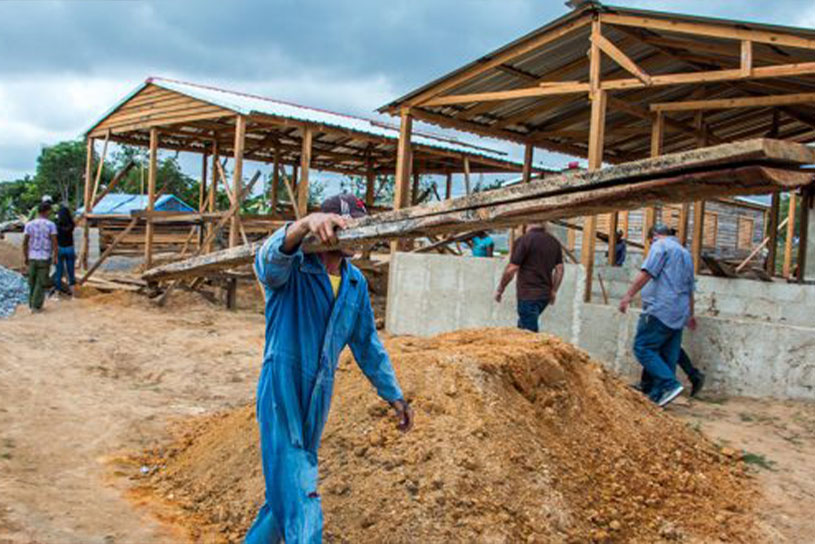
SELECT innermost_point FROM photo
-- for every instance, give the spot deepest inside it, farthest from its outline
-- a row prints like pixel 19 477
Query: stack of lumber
pixel 117 282
pixel 749 167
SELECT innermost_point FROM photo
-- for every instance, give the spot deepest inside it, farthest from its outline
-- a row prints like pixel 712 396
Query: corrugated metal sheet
pixel 658 52
pixel 124 203
pixel 247 104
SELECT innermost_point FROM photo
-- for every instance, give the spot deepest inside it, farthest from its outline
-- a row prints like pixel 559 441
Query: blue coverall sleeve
pixel 272 266
pixel 370 354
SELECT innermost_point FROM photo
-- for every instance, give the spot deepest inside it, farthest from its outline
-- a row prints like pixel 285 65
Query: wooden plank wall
pixel 152 106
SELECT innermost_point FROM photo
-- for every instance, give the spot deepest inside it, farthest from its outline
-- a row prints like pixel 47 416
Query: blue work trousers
pixel 529 312
pixel 657 348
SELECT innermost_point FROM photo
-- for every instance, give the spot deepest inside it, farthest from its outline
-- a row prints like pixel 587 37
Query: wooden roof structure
pixel 193 117
pixel 748 79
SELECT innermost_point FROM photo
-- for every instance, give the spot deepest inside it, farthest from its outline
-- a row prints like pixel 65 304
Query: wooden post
pixel 404 163
pixel 370 181
pixel 202 188
pixel 624 224
pixel 213 193
pixel 596 140
pixel 305 166
pixel 467 186
pixel 613 220
pixel 529 155
pixel 803 232
pixel 699 206
pixel 414 190
pixel 86 227
pixel 152 171
pixel 698 233
pixel 657 139
pixel 684 213
pixel 448 188
pixel 275 181
pixel 790 234
pixel 772 234
pixel 237 179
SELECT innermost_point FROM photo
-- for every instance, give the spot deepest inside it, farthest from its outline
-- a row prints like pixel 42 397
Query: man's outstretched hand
pixel 322 225
pixel 405 414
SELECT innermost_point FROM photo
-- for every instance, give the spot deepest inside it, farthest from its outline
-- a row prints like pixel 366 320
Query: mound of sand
pixel 11 256
pixel 518 438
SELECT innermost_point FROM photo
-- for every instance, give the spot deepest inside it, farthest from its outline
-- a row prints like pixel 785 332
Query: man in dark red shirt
pixel 537 259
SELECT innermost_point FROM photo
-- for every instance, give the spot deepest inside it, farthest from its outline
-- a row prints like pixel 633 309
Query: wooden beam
pixel 213 192
pixel 759 247
pixel 613 223
pixel 631 192
pixel 690 78
pixel 370 181
pixel 87 204
pixel 793 197
pixel 621 58
pixel 275 180
pixel 657 141
pixel 237 179
pixel 152 172
pixel 109 250
pixel 100 166
pixel 305 169
pixel 772 233
pixel 682 231
pixel 202 187
pixel 645 114
pixel 597 125
pixel 803 232
pixel 729 31
pixel 742 102
pixel 502 58
pixel 120 175
pixel 448 187
pixel 404 161
pixel 746 64
pixel 467 186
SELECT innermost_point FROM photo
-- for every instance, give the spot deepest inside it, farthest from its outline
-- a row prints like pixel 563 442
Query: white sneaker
pixel 669 396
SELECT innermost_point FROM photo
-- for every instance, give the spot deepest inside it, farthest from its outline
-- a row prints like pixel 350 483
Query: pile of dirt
pixel 11 256
pixel 518 438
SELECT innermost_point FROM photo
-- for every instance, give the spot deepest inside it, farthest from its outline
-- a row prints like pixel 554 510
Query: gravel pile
pixel 13 291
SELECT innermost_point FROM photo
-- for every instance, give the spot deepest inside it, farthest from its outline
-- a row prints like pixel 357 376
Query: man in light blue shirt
pixel 667 283
pixel 483 246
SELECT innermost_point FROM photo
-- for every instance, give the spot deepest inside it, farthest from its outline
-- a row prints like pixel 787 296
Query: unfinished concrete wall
pixel 754 338
pixel 431 294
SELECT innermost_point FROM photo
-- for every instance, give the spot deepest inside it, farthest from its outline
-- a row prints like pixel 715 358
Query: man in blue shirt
pixel 316 304
pixel 667 283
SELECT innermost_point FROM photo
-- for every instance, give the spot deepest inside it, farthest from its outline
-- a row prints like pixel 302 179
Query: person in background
pixel 695 376
pixel 34 212
pixel 667 283
pixel 537 259
pixel 620 250
pixel 316 304
pixel 483 245
pixel 39 251
pixel 66 256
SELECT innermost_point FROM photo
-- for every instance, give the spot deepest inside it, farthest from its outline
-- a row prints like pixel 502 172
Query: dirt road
pixel 88 380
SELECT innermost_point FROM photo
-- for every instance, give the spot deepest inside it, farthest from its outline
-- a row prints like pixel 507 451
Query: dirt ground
pixel 89 382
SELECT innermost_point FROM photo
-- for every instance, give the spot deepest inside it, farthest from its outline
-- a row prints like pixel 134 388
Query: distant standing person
pixel 39 251
pixel 66 256
pixel 537 259
pixel 483 245
pixel 620 250
pixel 667 283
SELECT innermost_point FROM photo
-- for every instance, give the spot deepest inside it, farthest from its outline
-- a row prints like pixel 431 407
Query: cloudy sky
pixel 63 63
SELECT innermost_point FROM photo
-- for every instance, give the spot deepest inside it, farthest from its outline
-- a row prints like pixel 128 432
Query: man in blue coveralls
pixel 667 284
pixel 316 304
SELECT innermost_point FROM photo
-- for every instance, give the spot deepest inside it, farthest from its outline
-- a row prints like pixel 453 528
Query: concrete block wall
pixel 754 338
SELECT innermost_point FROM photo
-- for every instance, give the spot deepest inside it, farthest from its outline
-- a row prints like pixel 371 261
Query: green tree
pixel 61 172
